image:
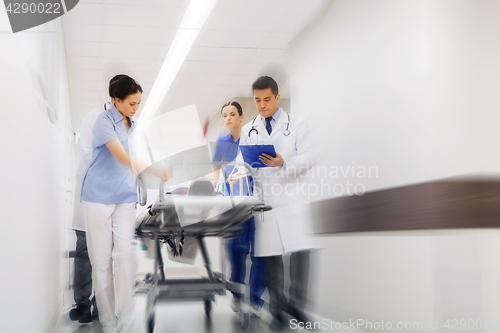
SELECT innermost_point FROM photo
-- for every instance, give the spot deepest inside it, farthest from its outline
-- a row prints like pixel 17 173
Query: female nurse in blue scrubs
pixel 109 196
pixel 239 248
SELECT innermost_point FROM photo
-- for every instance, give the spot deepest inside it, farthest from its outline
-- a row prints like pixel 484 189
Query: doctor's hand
pixel 268 160
pixel 231 179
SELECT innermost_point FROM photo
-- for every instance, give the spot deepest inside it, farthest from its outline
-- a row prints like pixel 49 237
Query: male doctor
pixel 83 269
pixel 287 228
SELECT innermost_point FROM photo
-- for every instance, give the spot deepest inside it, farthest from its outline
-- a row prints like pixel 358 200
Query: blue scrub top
pixel 107 181
pixel 226 150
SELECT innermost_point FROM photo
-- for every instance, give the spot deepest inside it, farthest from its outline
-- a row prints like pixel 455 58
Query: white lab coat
pixel 85 145
pixel 288 226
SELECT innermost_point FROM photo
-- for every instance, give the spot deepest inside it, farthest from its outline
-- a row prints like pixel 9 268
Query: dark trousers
pixel 275 281
pixel 83 271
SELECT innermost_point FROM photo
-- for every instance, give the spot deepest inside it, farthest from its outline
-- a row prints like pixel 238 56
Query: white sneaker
pixel 236 304
pixel 256 311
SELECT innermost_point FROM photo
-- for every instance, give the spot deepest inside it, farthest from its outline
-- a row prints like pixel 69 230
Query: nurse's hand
pixel 166 175
pixel 268 160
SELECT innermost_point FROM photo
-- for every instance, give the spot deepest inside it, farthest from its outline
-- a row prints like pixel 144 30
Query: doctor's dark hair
pixel 123 87
pixel 112 83
pixel 235 104
pixel 265 82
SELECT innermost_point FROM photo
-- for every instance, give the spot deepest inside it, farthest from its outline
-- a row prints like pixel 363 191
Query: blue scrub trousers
pixel 238 250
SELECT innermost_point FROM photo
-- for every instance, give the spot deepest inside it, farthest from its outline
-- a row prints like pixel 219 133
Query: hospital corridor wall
pixel 37 176
pixel 409 88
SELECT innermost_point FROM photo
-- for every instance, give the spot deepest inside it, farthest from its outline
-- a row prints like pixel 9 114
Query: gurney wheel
pixel 151 323
pixel 208 307
pixel 244 320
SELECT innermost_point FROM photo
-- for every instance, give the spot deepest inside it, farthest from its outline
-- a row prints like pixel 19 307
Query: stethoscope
pixel 285 133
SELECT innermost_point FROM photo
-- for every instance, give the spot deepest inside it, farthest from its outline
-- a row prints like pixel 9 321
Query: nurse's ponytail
pixel 123 87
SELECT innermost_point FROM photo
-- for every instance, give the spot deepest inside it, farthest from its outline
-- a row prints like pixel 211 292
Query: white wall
pixel 410 87
pixel 36 150
pixel 407 86
pixel 409 276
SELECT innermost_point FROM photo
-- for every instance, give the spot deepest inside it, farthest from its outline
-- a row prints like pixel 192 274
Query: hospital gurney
pixel 171 217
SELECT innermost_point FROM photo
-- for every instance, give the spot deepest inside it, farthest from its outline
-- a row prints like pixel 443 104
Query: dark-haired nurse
pixel 239 247
pixel 82 282
pixel 109 196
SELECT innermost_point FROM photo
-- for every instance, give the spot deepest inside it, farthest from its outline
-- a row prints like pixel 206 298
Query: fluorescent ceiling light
pixel 192 22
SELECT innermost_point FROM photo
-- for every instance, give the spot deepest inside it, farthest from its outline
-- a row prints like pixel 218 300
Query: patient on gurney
pixel 180 249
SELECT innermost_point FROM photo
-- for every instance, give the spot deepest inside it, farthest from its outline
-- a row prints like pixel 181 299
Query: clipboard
pixel 251 154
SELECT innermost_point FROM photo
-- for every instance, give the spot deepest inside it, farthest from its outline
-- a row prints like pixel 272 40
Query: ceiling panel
pixel 83 49
pixel 201 67
pixel 221 38
pixel 138 35
pixel 241 40
pixel 250 68
pixel 294 23
pixel 85 103
pixel 88 95
pixel 244 21
pixel 83 32
pixel 243 80
pixel 75 62
pixel 78 86
pixel 198 89
pixel 143 16
pixel 87 75
pixel 309 8
pixel 85 13
pixel 265 56
pixel 203 79
pixel 245 6
pixel 220 54
pixel 142 77
pixel 138 51
pixel 154 3
pixel 130 65
pixel 278 40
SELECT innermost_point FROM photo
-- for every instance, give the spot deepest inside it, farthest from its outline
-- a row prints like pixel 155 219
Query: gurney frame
pixel 167 228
